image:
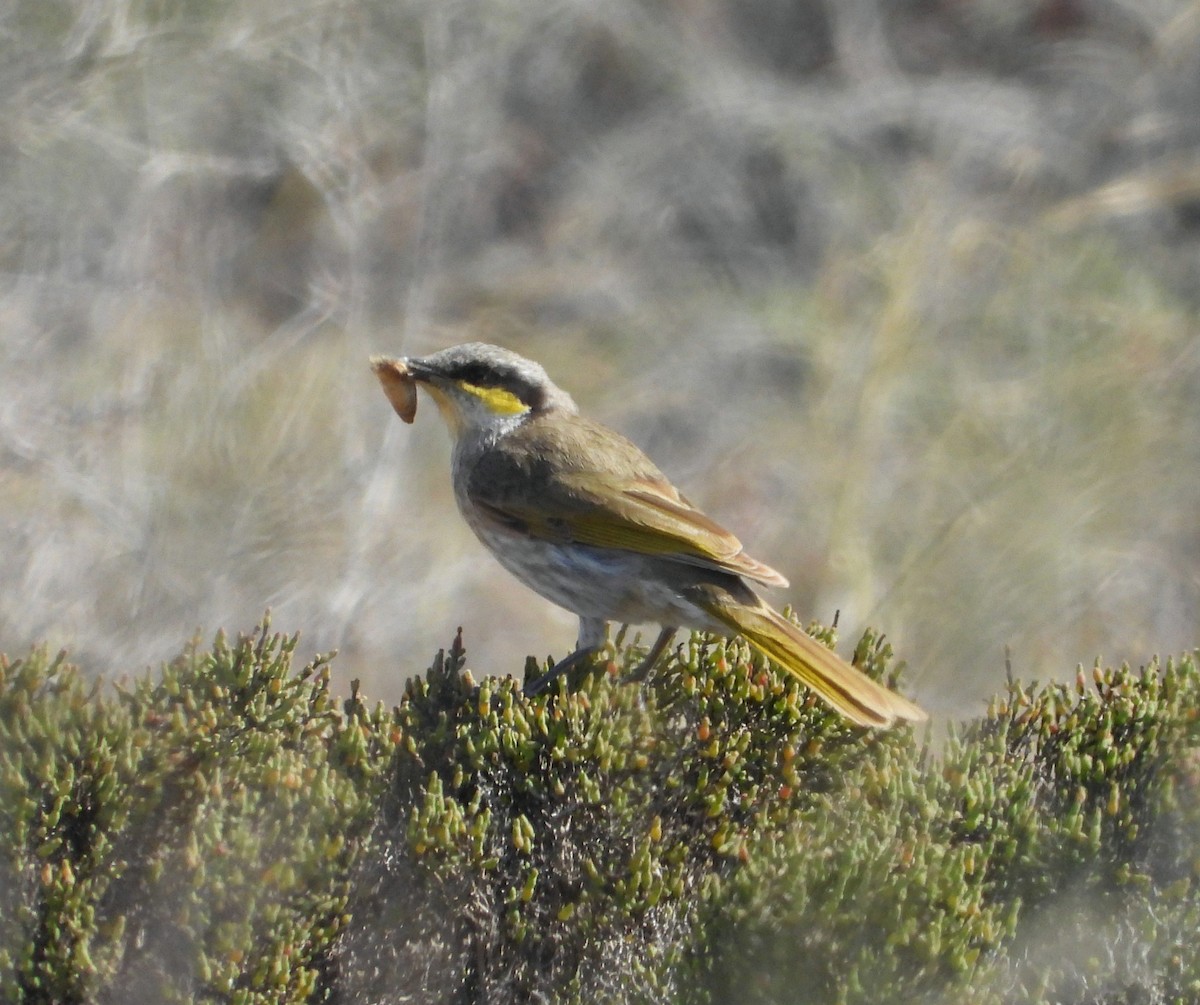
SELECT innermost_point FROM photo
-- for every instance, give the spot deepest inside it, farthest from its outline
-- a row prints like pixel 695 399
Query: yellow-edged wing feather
pixel 624 503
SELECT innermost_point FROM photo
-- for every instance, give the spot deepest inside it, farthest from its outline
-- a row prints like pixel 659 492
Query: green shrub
pixel 1048 854
pixel 564 846
pixel 228 833
pixel 183 839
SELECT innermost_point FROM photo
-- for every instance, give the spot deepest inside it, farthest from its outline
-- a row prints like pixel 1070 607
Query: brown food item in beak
pixel 398 385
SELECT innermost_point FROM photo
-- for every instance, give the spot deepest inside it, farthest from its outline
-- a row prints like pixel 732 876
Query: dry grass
pixel 839 308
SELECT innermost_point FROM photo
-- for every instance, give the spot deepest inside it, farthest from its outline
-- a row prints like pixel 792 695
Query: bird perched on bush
pixel 579 514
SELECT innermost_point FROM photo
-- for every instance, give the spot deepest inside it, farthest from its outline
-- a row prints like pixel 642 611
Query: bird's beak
pixel 400 378
pixel 420 372
pixel 418 369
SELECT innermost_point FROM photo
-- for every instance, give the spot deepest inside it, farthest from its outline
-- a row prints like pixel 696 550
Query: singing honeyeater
pixel 579 514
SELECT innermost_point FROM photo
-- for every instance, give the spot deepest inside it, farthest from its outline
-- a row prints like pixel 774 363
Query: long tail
pixel 846 688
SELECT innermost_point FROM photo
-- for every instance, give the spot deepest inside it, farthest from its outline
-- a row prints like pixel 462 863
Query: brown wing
pixel 602 491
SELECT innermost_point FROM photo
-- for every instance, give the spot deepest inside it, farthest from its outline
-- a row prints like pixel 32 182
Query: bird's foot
pixel 580 657
pixel 565 665
pixel 642 670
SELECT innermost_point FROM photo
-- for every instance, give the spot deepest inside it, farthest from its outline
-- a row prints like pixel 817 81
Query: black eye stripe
pixel 489 376
pixel 477 374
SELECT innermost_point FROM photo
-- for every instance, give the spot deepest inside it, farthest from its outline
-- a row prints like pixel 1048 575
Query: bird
pixel 577 512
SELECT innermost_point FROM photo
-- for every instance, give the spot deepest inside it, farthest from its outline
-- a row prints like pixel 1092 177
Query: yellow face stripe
pixel 497 399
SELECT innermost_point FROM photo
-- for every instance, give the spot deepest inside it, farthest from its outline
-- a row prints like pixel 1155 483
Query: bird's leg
pixel 591 638
pixel 642 670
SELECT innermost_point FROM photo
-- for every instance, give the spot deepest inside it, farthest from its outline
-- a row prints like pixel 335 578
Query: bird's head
pixel 484 389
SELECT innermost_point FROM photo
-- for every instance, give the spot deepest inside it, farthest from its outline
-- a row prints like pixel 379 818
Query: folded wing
pixel 630 505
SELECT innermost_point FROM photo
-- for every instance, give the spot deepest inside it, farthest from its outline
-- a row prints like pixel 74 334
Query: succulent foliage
pixel 227 831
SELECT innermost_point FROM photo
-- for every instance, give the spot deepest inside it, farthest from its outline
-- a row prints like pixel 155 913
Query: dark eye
pixel 476 373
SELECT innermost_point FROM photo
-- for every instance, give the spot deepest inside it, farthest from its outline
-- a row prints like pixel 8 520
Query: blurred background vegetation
pixel 903 291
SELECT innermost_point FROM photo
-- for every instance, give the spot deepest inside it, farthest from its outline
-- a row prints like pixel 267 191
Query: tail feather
pixel 844 687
